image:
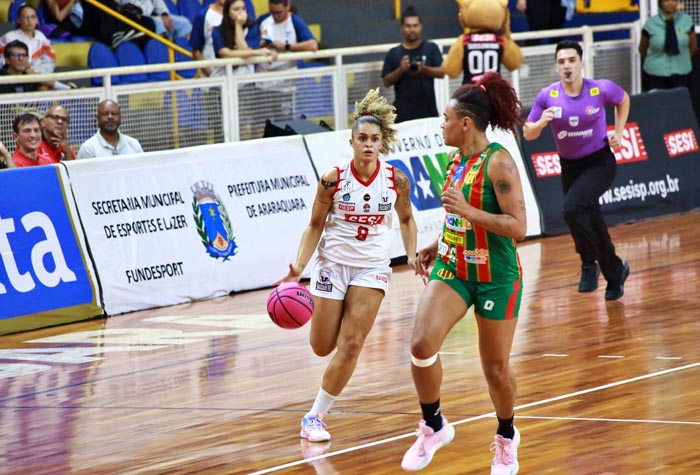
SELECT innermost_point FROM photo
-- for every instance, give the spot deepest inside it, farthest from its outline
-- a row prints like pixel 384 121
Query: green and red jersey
pixel 472 252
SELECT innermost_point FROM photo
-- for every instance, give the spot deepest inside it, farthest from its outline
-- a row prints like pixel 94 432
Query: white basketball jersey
pixel 358 229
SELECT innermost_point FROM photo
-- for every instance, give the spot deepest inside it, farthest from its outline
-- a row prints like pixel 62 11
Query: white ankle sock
pixel 322 404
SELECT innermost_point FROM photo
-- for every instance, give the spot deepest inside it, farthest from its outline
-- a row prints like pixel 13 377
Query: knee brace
pixel 424 363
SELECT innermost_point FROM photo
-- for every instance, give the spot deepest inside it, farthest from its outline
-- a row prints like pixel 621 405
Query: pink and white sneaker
pixel 312 428
pixel 428 442
pixel 505 461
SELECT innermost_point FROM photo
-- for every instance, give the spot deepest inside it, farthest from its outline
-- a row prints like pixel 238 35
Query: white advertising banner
pixel 422 155
pixel 188 224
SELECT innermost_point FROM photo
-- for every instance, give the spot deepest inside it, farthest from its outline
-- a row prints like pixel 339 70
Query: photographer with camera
pixel 411 68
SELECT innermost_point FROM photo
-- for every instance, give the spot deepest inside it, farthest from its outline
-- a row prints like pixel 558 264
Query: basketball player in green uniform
pixel 476 263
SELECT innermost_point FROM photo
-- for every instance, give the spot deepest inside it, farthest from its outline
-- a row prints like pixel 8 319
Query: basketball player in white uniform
pixel 353 210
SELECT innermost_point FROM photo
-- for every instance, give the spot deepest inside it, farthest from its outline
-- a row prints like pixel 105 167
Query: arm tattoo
pixel 504 187
pixel 328 184
pixel 404 188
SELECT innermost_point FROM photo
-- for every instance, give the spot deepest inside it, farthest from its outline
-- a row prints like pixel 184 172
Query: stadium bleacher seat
pixel 179 57
pixel 13 10
pixel 189 8
pixel 72 54
pixel 128 54
pixel 100 56
pixel 156 53
pixel 172 7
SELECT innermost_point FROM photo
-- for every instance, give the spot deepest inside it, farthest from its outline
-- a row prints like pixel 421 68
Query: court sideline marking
pixel 475 418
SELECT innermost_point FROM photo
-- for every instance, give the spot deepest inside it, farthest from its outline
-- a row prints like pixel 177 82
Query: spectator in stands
pixel 54 128
pixel 26 130
pixel 108 29
pixel 65 15
pixel 42 57
pixel 167 24
pixel 238 37
pixel 6 160
pixel 544 15
pixel 411 68
pixel 108 141
pixel 668 41
pixel 16 57
pixel 283 31
pixel 201 37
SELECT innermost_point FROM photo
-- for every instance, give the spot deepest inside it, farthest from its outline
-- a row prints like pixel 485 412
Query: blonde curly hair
pixel 374 109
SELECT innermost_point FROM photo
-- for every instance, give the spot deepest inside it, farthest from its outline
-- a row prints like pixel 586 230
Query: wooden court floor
pixel 214 388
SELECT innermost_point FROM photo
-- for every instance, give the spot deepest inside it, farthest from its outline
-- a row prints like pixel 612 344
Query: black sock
pixel 505 427
pixel 432 415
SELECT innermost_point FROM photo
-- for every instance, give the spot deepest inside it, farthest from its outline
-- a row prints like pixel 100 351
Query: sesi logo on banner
pixel 43 266
pixel 632 148
pixel 680 142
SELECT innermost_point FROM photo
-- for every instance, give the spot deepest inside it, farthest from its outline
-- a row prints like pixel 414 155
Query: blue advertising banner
pixel 658 170
pixel 44 271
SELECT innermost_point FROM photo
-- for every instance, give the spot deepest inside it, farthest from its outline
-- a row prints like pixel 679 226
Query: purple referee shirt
pixel 581 129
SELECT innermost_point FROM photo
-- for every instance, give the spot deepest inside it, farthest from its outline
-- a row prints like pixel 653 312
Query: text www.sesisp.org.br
pixel 640 191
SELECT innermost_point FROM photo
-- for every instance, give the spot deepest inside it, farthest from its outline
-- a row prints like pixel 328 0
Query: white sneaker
pixel 312 428
pixel 420 454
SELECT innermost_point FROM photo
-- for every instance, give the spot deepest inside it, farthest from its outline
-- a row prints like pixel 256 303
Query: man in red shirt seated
pixel 26 130
pixel 54 126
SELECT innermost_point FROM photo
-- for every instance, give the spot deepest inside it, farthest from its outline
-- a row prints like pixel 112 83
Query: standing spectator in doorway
pixel 108 141
pixel 667 44
pixel 412 68
pixel 54 127
pixel 26 130
pixel 168 25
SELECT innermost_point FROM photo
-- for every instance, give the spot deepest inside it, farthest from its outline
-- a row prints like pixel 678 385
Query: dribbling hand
pixel 293 276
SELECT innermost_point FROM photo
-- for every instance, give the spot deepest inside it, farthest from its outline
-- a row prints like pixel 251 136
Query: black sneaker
pixel 589 277
pixel 121 36
pixel 615 292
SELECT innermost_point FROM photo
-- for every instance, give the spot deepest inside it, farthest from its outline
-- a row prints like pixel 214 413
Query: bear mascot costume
pixel 485 43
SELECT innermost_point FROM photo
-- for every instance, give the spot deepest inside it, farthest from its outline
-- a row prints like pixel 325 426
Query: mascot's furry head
pixel 478 16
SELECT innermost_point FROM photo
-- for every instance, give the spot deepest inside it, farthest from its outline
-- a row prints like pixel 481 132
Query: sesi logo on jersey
pixel 43 266
pixel 368 219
